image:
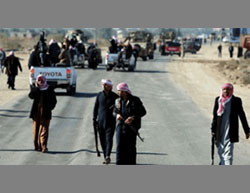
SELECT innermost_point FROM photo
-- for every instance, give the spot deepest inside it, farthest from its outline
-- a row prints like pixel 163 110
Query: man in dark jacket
pixel 219 50
pixel 54 51
pixel 225 126
pixel 128 110
pixel 231 51
pixel 103 117
pixel 34 57
pixel 92 57
pixel 12 64
pixel 41 112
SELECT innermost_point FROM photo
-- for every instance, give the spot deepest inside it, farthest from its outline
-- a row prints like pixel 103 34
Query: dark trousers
pixel 126 146
pixel 11 81
pixel 231 54
pixel 106 139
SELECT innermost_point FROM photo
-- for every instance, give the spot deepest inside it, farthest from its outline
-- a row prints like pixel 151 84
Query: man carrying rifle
pixel 103 120
pixel 225 126
pixel 128 110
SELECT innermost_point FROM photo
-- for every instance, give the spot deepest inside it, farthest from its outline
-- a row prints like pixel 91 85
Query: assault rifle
pixel 212 148
pixel 130 126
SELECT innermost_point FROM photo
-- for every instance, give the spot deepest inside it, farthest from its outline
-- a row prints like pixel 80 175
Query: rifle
pixel 212 149
pixel 96 139
pixel 131 127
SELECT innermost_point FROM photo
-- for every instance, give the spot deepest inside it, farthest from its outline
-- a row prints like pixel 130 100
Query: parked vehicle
pixel 58 77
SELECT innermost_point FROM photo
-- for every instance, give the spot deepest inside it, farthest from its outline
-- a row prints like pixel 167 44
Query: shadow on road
pixel 71 152
pixel 14 111
pixel 62 117
pixel 14 116
pixel 85 95
pixel 78 94
pixel 76 151
pixel 16 150
pixel 143 71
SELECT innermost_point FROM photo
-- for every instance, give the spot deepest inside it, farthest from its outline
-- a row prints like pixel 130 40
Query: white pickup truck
pixel 112 62
pixel 58 77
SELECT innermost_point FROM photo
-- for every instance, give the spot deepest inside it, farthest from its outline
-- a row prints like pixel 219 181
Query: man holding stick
pixel 103 119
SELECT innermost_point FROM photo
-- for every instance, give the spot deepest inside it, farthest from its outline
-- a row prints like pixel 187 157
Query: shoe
pixel 13 89
pixel 45 150
pixel 107 160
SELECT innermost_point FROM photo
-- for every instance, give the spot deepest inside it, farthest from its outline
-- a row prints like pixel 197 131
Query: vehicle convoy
pixel 59 76
pixel 171 48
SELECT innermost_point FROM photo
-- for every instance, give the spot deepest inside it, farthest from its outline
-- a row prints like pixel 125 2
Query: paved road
pixel 176 132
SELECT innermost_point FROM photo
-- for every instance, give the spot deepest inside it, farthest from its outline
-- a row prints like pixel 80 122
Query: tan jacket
pixel 64 57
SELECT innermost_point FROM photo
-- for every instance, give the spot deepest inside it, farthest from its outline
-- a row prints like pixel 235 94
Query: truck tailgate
pixel 51 73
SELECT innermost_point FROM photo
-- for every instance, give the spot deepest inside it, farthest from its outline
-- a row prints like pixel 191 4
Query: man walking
pixel 128 110
pixel 44 102
pixel 104 119
pixel 219 50
pixel 231 51
pixel 225 127
pixel 12 64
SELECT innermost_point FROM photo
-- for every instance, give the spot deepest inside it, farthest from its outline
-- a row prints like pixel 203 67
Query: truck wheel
pixel 71 90
pixel 131 68
pixel 151 57
pixel 247 54
pixel 144 58
pixel 108 68
pixel 179 54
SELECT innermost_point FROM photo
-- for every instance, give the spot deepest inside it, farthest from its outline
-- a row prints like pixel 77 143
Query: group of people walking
pixel 121 113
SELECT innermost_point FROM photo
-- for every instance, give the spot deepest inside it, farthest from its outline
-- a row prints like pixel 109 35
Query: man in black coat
pixel 12 64
pixel 128 110
pixel 225 125
pixel 103 117
pixel 231 51
pixel 54 51
pixel 44 101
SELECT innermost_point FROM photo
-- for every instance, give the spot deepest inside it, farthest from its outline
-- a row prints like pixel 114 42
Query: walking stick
pixel 96 140
pixel 212 149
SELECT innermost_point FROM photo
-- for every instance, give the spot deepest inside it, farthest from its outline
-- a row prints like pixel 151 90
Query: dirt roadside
pixel 201 76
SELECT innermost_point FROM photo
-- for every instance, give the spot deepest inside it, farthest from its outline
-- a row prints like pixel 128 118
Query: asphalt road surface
pixel 176 132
